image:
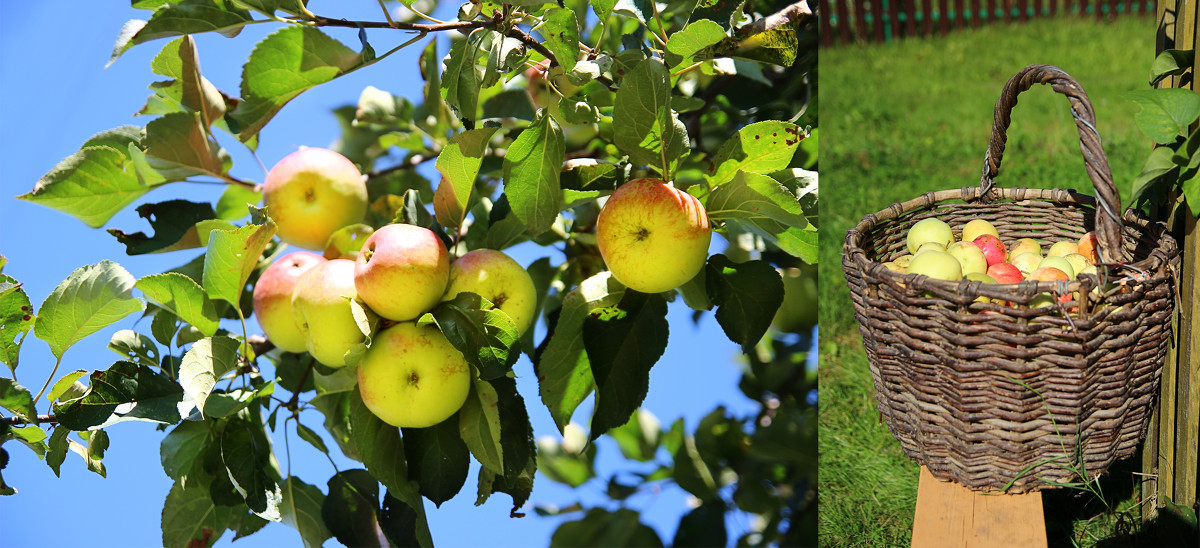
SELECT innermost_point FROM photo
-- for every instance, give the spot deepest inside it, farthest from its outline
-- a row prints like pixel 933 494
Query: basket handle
pixel 1108 221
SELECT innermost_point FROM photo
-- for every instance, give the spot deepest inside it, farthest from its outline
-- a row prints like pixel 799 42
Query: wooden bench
pixel 949 516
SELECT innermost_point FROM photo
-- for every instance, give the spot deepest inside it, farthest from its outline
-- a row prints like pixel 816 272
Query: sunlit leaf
pixel 644 126
pixel 301 510
pixel 208 360
pixel 16 319
pixel 232 255
pixel 90 299
pixel 183 297
pixel 622 349
pixel 532 169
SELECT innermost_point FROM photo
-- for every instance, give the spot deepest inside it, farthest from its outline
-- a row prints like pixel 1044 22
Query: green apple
pixel 970 257
pixel 1060 263
pixel 653 236
pixel 498 278
pixel 903 261
pixel 936 264
pixel 1062 249
pixel 273 299
pixel 311 193
pixel 976 228
pixel 1078 263
pixel 412 376
pixel 1026 262
pixel 1025 245
pixel 930 246
pixel 927 230
pixel 401 271
pixel 798 312
pixel 321 305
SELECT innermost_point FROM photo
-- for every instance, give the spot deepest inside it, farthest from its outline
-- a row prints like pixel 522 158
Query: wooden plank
pixel 826 30
pixel 960 14
pixel 893 19
pixel 860 17
pixel 843 22
pixel 943 17
pixel 926 17
pixel 1187 386
pixel 950 515
pixel 877 15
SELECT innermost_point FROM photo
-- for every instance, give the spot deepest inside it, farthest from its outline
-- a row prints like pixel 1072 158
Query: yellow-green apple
pixel 1026 262
pixel 412 376
pixel 311 193
pixel 1087 247
pixel 976 228
pixel 653 236
pixel 798 312
pixel 930 246
pixel 1078 263
pixel 992 247
pixel 1060 263
pixel 322 309
pixel 936 264
pixel 1051 274
pixel 978 277
pixel 1025 245
pixel 903 260
pixel 498 278
pixel 1062 249
pixel 895 267
pixel 970 257
pixel 401 271
pixel 1005 273
pixel 273 299
pixel 927 230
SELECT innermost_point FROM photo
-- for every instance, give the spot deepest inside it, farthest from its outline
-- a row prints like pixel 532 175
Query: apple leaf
pixel 283 65
pixel 693 39
pixel 179 61
pixel 90 299
pixel 566 467
pixel 563 371
pixel 601 527
pixel 438 459
pixel 17 398
pixel 640 437
pixel 723 12
pixel 381 450
pixel 136 347
pixel 1171 62
pixel 232 255
pixel 644 126
pixel 183 297
pixel 92 185
pixel 761 147
pixel 402 524
pixel 532 169
pixel 56 449
pixel 301 509
pixel 178 146
pixel 235 201
pixel 191 518
pixel 125 391
pixel 181 449
pixel 246 453
pixel 623 343
pixel 561 29
pixel 778 46
pixel 1165 113
pixel 206 361
pixel 486 336
pixel 16 319
pixel 517 446
pixel 307 434
pixel 174 224
pixel 479 425
pixel 351 510
pixel 68 387
pixel 1158 163
pixel 177 19
pixel 269 7
pixel 747 296
pixel 223 404
pixel 32 437
pixel 459 163
pixel 762 205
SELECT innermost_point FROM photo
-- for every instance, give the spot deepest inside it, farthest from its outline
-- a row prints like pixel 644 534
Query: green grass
pixel 909 117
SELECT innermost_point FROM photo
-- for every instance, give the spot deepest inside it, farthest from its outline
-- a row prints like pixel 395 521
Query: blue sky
pixel 56 93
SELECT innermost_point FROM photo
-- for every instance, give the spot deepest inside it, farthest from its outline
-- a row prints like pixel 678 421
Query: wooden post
pixel 949 514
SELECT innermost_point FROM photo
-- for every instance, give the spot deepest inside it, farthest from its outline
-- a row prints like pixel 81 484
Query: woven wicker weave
pixel 997 395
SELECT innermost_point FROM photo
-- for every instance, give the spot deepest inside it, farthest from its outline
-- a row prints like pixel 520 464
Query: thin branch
pixel 293 403
pixel 321 21
pixel 40 419
pixel 408 163
pixel 528 40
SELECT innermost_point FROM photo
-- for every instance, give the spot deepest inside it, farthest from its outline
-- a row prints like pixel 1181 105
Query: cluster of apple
pixel 411 375
pixel 980 255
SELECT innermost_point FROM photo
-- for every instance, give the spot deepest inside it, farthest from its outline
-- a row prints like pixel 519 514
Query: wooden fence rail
pixel 849 21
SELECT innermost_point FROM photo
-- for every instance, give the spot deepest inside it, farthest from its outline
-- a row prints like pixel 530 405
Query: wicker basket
pixel 998 395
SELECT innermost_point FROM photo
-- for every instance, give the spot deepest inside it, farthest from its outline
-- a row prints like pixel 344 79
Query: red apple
pixel 1005 273
pixel 1051 274
pixel 992 247
pixel 273 299
pixel 401 271
pixel 1087 247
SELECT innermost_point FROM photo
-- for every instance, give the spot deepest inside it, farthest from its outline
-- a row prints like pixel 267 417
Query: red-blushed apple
pixel 969 256
pixel 311 193
pixel 412 377
pixel 936 264
pixel 1087 247
pixel 1062 249
pixel 992 247
pixel 273 299
pixel 1025 245
pixel 1060 263
pixel 976 228
pixel 653 236
pixel 1051 274
pixel 929 229
pixel 322 309
pixel 1026 262
pixel 1005 273
pixel 401 271
pixel 498 278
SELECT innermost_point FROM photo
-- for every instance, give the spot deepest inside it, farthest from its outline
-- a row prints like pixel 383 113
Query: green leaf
pixel 246 453
pixel 139 392
pixel 56 448
pixel 747 296
pixel 485 335
pixel 284 65
pixel 438 459
pixel 381 450
pixel 403 524
pixel 174 224
pixel 17 398
pixel 691 473
pixel 351 511
pixel 225 404
pixel 301 510
pixel 209 359
pixel 764 206
pixel 622 349
pixel 638 439
pixel 1165 113
pixel 563 370
pixel 68 387
pixel 314 439
pixel 1191 192
pixel 779 45
pixel 565 462
pixel 92 185
pixel 269 7
pixel 182 448
pixel 693 39
pixel 644 126
pixel 234 202
pixel 32 437
pixel 532 169
pixel 561 30
pixel 135 346
pixel 16 319
pixel 459 163
pixel 1160 161
pixel 232 255
pixel 191 518
pixel 479 425
pixel 178 146
pixel 723 12
pixel 703 526
pixel 601 527
pixel 1171 62
pixel 90 299
pixel 183 297
pixel 761 147
pixel 510 103
pixel 516 442
pixel 177 19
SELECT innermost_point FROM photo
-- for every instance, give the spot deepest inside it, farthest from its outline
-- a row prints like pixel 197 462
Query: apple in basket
pixel 928 230
pixel 1025 245
pixel 1005 273
pixel 1051 274
pixel 976 228
pixel 1087 247
pixel 992 248
pixel 936 264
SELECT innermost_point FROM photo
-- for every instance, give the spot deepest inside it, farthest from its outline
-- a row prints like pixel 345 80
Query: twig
pixel 39 419
pixel 321 21
pixel 408 163
pixel 292 404
pixel 528 40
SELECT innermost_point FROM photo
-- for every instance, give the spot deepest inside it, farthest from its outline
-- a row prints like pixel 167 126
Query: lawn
pixel 905 118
